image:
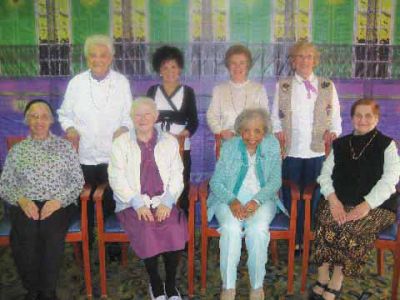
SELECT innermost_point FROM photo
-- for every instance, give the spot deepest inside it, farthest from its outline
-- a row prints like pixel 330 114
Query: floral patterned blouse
pixel 42 170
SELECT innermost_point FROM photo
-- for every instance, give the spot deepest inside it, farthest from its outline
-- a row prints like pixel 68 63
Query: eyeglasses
pixel 39 117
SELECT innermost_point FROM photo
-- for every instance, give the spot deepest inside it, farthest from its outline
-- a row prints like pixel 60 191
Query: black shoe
pixel 336 293
pixel 32 295
pixel 313 295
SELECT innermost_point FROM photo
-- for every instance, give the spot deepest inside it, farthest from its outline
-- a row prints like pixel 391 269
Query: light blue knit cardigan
pixel 231 169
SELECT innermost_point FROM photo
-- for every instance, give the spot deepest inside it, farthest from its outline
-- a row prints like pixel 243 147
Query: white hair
pixel 98 39
pixel 138 102
pixel 251 114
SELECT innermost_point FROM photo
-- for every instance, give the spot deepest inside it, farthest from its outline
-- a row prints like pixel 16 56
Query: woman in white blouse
pixel 230 98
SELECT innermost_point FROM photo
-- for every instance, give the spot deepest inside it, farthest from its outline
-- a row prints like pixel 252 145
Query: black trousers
pixel 96 175
pixel 38 246
pixel 183 200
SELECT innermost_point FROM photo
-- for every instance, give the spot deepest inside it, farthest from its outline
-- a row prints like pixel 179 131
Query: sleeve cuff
pixel 137 202
pixel 167 199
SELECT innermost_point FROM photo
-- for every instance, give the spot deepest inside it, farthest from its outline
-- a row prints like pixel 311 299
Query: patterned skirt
pixel 348 245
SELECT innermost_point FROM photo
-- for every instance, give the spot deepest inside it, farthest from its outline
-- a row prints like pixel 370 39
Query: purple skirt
pixel 148 239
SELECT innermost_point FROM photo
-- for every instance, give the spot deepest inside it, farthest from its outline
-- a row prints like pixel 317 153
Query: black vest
pixel 353 179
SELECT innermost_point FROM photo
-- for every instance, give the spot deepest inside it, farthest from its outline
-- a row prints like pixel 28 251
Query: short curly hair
pixel 165 53
pixel 252 114
pixel 301 45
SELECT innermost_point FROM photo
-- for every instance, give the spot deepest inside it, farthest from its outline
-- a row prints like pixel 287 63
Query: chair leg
pixel 191 264
pixel 102 266
pixel 124 254
pixel 291 250
pixel 380 262
pixel 204 246
pixel 304 263
pixel 77 253
pixel 86 268
pixel 274 252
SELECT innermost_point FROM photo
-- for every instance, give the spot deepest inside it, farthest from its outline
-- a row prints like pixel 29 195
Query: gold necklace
pixel 353 153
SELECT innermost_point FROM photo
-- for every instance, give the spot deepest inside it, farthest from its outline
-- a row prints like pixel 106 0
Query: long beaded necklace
pixel 91 92
pixel 233 102
pixel 353 153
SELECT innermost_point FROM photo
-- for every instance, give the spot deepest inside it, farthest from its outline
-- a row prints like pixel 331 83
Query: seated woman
pixel 358 181
pixel 243 198
pixel 41 180
pixel 145 173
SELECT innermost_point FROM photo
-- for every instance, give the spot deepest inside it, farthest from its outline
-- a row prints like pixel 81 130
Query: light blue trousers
pixel 256 232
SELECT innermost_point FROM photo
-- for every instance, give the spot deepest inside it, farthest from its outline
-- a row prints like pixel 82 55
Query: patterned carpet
pixel 131 282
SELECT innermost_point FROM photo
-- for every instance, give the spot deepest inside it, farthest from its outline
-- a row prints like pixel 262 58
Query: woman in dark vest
pixel 176 104
pixel 358 182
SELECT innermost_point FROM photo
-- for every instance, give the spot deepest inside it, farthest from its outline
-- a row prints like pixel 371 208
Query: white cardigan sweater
pixel 124 170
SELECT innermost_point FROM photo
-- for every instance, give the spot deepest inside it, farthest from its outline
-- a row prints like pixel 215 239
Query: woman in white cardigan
pixel 145 173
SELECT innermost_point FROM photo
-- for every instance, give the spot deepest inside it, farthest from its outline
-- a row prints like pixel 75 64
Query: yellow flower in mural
pixel 15 3
pixel 168 2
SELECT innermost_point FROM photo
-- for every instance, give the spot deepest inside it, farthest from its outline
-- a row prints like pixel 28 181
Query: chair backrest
pixel 12 140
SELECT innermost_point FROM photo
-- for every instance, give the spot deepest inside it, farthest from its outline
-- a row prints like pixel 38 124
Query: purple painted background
pixel 15 93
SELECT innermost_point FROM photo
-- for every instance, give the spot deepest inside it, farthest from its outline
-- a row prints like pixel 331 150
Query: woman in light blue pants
pixel 244 199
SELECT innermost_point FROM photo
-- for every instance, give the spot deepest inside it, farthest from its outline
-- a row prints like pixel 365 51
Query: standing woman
pixel 41 180
pixel 229 99
pixel 95 110
pixel 176 104
pixel 358 182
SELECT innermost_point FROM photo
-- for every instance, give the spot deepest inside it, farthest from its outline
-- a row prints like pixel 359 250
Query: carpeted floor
pixel 131 282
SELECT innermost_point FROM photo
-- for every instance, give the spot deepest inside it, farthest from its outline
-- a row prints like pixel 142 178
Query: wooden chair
pixel 110 231
pixel 388 239
pixel 77 232
pixel 281 228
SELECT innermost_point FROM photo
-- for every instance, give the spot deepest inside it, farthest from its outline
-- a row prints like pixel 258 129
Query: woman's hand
pixel 48 208
pixel 226 134
pixel 29 208
pixel 162 212
pixel 337 209
pixel 358 212
pixel 145 213
pixel 72 135
pixel 184 133
pixel 251 207
pixel 282 141
pixel 120 131
pixel 238 209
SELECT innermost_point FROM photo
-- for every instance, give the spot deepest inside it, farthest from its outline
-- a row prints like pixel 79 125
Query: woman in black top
pixel 358 181
pixel 176 104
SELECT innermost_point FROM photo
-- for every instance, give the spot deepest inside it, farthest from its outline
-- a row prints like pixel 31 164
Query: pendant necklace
pixel 353 153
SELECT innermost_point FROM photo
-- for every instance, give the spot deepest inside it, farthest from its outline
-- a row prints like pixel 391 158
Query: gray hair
pixel 251 114
pixel 98 39
pixel 143 101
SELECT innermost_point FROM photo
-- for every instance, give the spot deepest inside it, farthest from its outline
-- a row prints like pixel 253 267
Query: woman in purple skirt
pixel 145 173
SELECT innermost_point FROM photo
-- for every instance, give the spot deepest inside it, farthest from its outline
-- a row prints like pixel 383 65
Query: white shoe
pixel 161 297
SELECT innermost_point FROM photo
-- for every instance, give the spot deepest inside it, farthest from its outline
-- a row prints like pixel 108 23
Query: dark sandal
pixel 313 295
pixel 336 293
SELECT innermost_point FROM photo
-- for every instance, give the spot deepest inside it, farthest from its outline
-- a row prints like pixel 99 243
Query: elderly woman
pixel 176 104
pixel 94 111
pixel 358 184
pixel 145 173
pixel 229 99
pixel 305 117
pixel 243 198
pixel 41 180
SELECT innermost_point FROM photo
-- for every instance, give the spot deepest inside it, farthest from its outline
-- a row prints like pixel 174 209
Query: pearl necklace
pixel 353 153
pixel 233 102
pixel 91 92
